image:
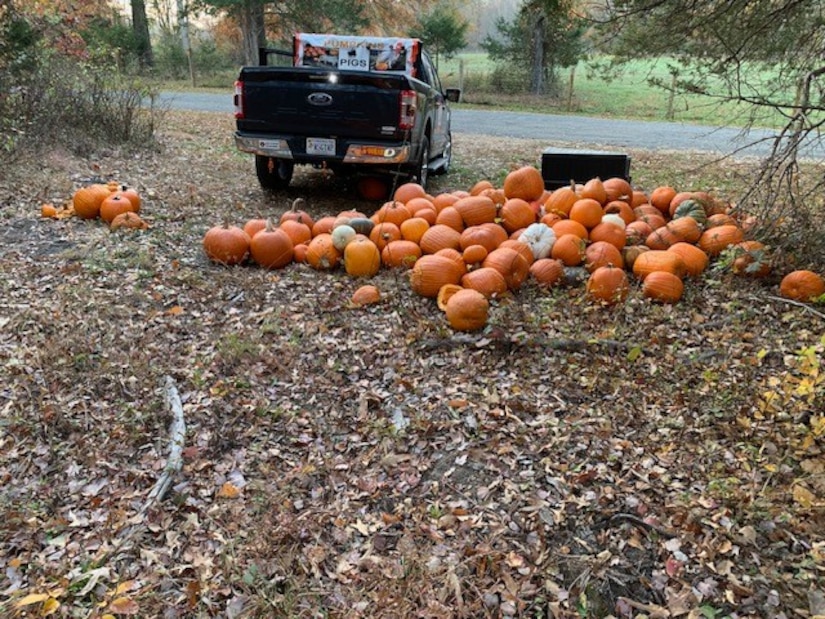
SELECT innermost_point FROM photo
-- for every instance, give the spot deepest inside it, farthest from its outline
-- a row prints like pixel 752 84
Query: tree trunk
pixel 140 26
pixel 251 20
pixel 537 69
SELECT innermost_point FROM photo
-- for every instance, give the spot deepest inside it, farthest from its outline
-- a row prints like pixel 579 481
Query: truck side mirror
pixel 453 94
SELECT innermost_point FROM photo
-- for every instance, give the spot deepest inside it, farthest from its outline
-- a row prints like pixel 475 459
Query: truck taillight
pixel 408 105
pixel 238 99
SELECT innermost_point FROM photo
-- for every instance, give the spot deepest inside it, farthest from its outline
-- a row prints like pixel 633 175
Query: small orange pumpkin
pixel 362 257
pixel 366 295
pixel 663 286
pixel 608 285
pixel 431 272
pixel 467 310
pixel 658 260
pixel 439 237
pixel 525 183
pixel 400 253
pixel 321 252
pixel 226 244
pixel 715 240
pixel 547 271
pixel 486 280
pixel 272 248
pixel 568 248
pixel 802 285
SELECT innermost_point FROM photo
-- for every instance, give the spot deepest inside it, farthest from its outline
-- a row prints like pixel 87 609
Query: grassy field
pixel 592 90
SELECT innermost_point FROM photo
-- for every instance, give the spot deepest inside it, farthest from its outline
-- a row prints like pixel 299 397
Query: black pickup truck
pixel 349 104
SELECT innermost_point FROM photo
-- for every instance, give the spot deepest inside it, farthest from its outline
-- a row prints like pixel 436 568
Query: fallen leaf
pixel 124 606
pixel 229 491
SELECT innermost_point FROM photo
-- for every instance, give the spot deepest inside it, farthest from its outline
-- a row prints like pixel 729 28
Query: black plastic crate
pixel 559 166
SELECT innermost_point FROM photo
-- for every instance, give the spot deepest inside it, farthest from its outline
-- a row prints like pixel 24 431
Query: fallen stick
pixel 177 437
pixel 804 306
pixel 174 463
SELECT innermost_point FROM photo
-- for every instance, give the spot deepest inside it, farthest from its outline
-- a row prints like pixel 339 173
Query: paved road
pixel 561 130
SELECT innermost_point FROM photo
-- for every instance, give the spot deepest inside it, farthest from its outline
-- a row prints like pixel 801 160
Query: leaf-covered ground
pixel 570 461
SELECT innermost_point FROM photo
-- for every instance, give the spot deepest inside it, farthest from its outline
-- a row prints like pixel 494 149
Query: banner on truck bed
pixel 351 53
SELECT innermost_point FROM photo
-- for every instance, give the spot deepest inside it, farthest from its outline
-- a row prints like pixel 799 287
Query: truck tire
pixel 280 175
pixel 422 170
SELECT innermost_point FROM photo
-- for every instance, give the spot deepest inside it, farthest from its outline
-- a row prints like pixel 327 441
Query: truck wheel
pixel 423 170
pixel 280 175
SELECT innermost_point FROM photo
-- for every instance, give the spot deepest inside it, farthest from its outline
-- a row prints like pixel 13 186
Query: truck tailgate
pixel 319 102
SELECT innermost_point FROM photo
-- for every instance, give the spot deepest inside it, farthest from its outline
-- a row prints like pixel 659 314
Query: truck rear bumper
pixel 294 149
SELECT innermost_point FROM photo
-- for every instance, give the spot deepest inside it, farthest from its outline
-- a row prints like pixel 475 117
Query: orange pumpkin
pixel 561 201
pixel 695 260
pixel 129 220
pixel 685 229
pixel 321 252
pixel 373 188
pixel 516 214
pixel 474 254
pixel 298 231
pixel 618 188
pixel 715 240
pixel 449 216
pixel 802 285
pixel 587 211
pixel 476 210
pixel 486 280
pixel 414 228
pixel 87 200
pixel 602 253
pixel 113 206
pixel 569 249
pixel 480 235
pixel 609 233
pixel 383 233
pixel 366 295
pixel 430 273
pixel 510 263
pixel 525 183
pixel 658 260
pixel 362 257
pixel 608 285
pixel 661 196
pixel 400 254
pixel 467 310
pixel 547 271
pixel 752 259
pixel 226 244
pixel 253 226
pixel 568 226
pixel 663 286
pixel 594 190
pixel 406 192
pixel 392 212
pixel 272 248
pixel 439 237
pixel 444 294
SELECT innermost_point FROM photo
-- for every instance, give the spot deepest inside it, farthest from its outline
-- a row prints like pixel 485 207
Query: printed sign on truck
pixel 352 53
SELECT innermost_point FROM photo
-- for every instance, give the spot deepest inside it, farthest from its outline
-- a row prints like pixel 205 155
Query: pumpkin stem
pixel 298 204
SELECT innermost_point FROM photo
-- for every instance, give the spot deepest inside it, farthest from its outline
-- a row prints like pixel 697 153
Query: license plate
pixel 320 146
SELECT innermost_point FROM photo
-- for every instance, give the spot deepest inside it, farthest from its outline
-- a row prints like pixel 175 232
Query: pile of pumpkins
pixel 117 205
pixel 464 248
